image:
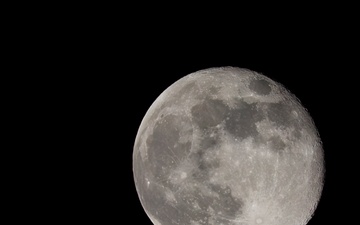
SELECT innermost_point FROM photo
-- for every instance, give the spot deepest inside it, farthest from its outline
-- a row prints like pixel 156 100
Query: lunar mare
pixel 228 146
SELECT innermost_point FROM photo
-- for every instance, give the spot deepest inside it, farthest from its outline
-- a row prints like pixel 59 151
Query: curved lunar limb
pixel 228 146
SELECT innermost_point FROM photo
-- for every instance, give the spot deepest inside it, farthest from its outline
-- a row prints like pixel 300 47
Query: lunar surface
pixel 228 146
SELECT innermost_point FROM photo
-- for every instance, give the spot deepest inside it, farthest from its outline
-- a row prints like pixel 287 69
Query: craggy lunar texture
pixel 228 146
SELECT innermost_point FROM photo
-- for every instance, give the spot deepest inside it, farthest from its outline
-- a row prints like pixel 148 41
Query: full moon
pixel 228 146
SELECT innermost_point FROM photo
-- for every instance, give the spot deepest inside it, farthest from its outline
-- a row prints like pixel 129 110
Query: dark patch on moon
pixel 210 139
pixel 260 87
pixel 241 120
pixel 164 148
pixel 209 142
pixel 226 204
pixel 206 165
pixel 280 113
pixel 201 173
pixel 209 113
pixel 276 144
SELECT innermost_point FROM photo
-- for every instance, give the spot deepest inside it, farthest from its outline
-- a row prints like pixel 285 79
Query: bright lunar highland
pixel 228 146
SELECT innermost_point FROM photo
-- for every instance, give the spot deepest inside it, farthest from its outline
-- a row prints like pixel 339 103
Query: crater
pixel 260 87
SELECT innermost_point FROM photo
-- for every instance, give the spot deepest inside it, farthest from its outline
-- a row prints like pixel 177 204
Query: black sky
pixel 84 75
pixel 116 74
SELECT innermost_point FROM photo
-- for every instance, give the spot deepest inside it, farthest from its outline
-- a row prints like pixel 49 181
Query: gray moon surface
pixel 228 146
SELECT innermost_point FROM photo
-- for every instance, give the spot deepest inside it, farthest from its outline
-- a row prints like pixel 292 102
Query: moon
pixel 228 146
